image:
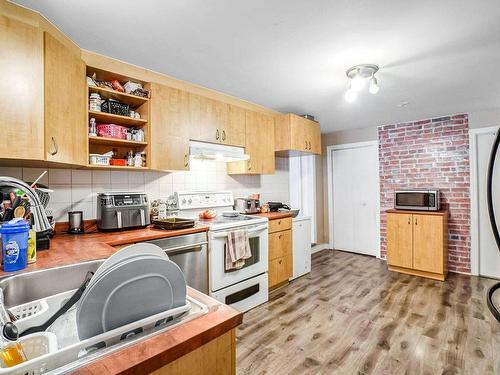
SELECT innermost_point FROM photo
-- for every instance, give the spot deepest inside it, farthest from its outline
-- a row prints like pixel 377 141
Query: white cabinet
pixel 301 232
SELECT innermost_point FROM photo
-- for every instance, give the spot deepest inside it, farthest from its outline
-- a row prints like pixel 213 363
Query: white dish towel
pixel 237 249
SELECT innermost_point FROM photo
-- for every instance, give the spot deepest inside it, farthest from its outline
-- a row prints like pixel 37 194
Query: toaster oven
pixel 417 199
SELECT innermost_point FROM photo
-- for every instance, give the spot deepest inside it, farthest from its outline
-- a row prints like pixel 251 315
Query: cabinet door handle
pixel 186 160
pixel 54 144
pixel 249 166
pixel 409 220
pixel 280 261
pixel 217 135
pixel 223 135
pixel 416 220
pixel 306 145
pixel 310 146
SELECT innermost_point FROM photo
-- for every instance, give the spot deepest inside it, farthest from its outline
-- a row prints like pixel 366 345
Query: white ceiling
pixel 291 55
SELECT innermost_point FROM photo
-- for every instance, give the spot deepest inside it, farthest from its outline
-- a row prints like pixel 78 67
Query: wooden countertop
pixel 148 355
pixel 439 213
pixel 275 215
pixel 76 248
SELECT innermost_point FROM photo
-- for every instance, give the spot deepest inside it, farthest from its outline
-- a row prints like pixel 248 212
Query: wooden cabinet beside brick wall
pixel 280 251
pixel 417 243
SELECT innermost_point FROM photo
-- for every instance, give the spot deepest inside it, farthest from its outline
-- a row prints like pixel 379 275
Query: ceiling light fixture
pixel 350 95
pixel 358 76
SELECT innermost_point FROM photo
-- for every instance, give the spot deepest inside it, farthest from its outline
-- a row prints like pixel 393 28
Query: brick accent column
pixel 430 153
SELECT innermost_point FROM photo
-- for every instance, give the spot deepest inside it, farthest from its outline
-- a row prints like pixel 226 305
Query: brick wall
pixel 430 153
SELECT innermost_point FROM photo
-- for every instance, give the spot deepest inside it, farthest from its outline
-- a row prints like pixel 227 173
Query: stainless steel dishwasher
pixel 190 253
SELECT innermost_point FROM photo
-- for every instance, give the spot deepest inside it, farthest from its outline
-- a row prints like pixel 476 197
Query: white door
pixel 489 255
pixel 355 183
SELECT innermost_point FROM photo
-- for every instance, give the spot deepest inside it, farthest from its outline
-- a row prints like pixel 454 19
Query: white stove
pixel 244 288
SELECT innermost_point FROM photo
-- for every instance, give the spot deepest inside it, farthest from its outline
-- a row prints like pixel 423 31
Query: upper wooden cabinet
pixel 215 121
pixel 236 130
pixel 297 134
pixel 170 127
pixel 417 243
pixel 65 112
pixel 259 133
pixel 21 100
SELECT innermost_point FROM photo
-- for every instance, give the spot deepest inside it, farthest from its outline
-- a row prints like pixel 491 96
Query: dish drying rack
pixel 60 346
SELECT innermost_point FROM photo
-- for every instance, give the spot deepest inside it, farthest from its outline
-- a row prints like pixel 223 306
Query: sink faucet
pixel 41 222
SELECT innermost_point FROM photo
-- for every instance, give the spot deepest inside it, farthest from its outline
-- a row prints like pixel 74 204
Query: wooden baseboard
pixel 429 275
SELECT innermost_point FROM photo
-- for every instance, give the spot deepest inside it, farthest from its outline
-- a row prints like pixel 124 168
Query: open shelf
pixel 114 141
pixel 132 100
pixel 109 118
pixel 114 167
pixel 120 147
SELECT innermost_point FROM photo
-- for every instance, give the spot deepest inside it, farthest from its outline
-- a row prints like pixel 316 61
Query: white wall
pixel 77 189
pixel 484 119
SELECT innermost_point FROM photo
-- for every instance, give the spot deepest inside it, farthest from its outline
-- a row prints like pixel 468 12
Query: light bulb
pixel 374 88
pixel 357 83
pixel 350 95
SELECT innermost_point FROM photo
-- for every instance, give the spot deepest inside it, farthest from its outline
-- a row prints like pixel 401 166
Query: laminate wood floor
pixel 352 316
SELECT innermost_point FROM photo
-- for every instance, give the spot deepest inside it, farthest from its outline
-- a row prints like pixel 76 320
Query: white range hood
pixel 218 152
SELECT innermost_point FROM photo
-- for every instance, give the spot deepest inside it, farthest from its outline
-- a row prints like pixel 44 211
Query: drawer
pixel 280 224
pixel 280 244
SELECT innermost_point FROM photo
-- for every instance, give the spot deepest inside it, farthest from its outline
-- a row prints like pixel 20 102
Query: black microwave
pixel 422 200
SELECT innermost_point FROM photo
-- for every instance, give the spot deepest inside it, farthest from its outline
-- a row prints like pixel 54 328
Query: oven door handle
pixel 178 249
pixel 250 231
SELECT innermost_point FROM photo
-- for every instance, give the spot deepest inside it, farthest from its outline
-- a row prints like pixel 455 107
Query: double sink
pixel 30 286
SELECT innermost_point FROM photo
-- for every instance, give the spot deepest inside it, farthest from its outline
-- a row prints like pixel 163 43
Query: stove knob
pixel 190 201
pixel 183 200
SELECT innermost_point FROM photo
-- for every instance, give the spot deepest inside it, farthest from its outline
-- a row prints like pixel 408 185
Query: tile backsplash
pixel 77 189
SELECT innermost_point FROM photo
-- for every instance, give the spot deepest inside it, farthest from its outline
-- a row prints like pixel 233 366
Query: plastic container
pixel 112 131
pixel 15 244
pixel 32 246
pixel 119 162
pixel 115 108
pixel 96 159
